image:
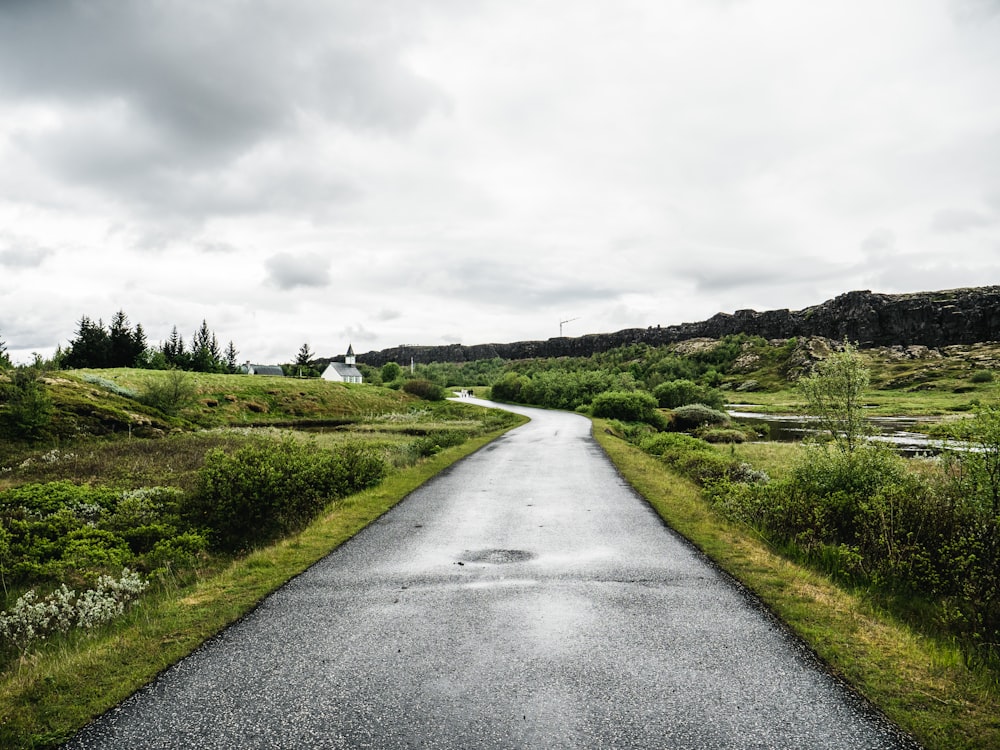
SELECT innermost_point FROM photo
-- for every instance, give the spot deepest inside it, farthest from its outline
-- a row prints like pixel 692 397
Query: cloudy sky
pixel 389 172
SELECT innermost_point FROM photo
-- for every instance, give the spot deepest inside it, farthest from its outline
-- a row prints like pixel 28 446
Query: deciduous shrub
pixel 266 490
pixel 31 619
pixel 697 460
pixel 723 435
pixel 390 371
pixel 436 441
pixel 863 515
pixel 424 389
pixel 629 406
pixel 682 392
pixel 693 416
pixel 170 393
pixel 508 388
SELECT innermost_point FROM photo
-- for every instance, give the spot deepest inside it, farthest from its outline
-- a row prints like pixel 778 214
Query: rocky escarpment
pixel 933 319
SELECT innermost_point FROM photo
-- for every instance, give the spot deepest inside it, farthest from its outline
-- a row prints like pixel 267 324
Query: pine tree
pixel 205 354
pixel 4 359
pixel 305 356
pixel 140 347
pixel 231 361
pixel 91 347
pixel 125 347
pixel 173 348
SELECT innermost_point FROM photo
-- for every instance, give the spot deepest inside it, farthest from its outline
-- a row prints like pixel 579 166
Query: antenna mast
pixel 561 322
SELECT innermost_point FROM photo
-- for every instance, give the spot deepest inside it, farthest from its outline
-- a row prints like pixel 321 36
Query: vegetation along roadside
pixel 120 554
pixel 887 568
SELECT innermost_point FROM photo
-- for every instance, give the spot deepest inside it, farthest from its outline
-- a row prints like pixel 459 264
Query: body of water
pixel 899 431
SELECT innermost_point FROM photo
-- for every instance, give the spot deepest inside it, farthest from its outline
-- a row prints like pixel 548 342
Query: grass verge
pixel 55 693
pixel 919 683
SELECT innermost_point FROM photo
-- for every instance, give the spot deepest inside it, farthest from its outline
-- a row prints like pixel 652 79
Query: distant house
pixel 274 370
pixel 343 372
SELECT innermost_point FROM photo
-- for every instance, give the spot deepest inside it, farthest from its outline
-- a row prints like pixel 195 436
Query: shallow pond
pixel 895 430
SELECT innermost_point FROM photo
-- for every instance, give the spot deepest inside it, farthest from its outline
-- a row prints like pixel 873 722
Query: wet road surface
pixel 525 598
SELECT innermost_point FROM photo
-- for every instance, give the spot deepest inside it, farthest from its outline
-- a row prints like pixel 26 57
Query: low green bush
pixel 862 515
pixel 697 460
pixel 982 376
pixel 628 406
pixel 424 389
pixel 266 490
pixel 665 442
pixel 693 416
pixel 436 441
pixel 723 435
pixel 674 393
pixel 169 394
pixel 25 406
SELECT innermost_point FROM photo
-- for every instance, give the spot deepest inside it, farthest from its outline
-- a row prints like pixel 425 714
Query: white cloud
pixel 287 271
pixel 480 170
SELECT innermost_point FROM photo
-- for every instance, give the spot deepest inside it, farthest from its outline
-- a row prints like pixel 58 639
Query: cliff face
pixel 955 316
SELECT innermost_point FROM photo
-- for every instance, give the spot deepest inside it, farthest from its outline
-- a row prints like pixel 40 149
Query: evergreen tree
pixel 231 354
pixel 144 355
pixel 4 359
pixel 205 354
pixel 304 357
pixel 28 409
pixel 173 349
pixel 91 347
pixel 125 347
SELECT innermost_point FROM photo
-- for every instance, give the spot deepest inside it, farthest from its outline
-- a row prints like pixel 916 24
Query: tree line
pixel 119 344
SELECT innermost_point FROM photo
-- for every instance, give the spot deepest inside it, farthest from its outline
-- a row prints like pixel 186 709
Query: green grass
pixel 53 693
pixel 949 382
pixel 244 399
pixel 920 683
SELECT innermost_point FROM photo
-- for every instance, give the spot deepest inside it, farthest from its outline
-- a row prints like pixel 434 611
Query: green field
pixel 108 439
pixel 106 449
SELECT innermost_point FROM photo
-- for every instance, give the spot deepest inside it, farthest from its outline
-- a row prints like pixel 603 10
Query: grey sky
pixel 387 172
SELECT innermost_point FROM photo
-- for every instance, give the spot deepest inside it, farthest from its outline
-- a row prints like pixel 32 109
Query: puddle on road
pixel 496 556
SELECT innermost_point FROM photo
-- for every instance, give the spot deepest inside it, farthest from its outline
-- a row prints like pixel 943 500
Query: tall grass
pixel 922 683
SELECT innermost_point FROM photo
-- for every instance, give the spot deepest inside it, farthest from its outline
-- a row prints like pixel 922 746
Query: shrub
pixel 390 371
pixel 169 393
pixel 982 376
pixel 629 406
pixel 977 471
pixel 27 408
pixel 666 442
pixel 31 619
pixel 834 393
pixel 266 490
pixel 424 389
pixel 436 441
pixel 693 416
pixel 697 460
pixel 508 388
pixel 179 553
pixel 87 551
pixel 723 435
pixel 682 392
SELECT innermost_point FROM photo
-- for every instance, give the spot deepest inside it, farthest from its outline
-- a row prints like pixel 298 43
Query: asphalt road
pixel 525 598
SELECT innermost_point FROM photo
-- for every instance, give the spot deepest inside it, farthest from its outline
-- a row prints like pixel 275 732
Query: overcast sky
pixel 385 172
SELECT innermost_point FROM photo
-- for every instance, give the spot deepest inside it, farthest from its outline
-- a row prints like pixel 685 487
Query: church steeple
pixel 349 357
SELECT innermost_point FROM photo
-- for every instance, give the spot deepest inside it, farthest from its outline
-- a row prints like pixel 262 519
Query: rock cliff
pixel 954 316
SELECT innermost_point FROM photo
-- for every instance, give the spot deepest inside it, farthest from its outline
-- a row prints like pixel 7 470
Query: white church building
pixel 343 372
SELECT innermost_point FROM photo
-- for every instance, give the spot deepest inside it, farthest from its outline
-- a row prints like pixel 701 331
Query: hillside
pixel 868 319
